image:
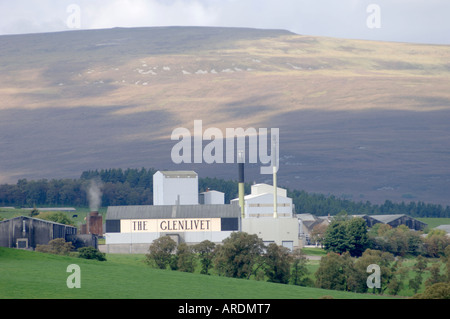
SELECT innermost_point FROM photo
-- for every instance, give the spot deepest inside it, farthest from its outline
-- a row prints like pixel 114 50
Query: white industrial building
pixel 181 212
pixel 259 216
pixel 259 203
pixel 175 188
pixel 211 198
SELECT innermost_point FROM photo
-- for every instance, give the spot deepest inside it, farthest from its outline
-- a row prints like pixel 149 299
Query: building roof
pixel 250 197
pixel 386 218
pixel 172 211
pixel 38 219
pixel 306 217
pixel 212 191
pixel 263 188
pixel 53 209
pixel 178 174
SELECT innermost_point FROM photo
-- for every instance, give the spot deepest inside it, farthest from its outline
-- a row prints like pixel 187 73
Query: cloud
pixel 137 13
pixel 401 20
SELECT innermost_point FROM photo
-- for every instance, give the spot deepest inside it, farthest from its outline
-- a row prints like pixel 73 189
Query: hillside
pixel 31 275
pixel 359 119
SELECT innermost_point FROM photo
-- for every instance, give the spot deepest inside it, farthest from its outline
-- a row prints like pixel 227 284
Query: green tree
pixel 185 258
pixel 346 235
pixel 205 249
pixel 358 238
pixel 332 272
pixel 277 262
pixel 436 242
pixel 439 290
pixel 419 269
pixel 435 275
pixel 447 262
pixel 373 257
pixel 238 255
pixel 160 251
pixel 57 217
pixel 300 272
pixel 336 239
pixel 398 276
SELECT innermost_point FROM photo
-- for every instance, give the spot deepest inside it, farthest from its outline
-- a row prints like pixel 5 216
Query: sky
pixel 418 21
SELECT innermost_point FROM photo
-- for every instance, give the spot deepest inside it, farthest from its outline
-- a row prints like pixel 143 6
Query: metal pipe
pixel 274 170
pixel 241 182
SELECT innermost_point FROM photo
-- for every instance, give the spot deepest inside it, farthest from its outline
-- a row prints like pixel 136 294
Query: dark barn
pixel 26 232
pixel 394 220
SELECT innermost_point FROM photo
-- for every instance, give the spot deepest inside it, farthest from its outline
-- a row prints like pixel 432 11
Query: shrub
pixel 91 253
pixel 436 291
pixel 56 246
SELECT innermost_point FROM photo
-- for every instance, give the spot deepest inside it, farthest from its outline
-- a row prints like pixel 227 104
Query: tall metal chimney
pixel 241 181
pixel 274 170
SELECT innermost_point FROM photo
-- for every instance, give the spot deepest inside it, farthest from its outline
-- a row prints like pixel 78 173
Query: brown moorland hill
pixel 360 119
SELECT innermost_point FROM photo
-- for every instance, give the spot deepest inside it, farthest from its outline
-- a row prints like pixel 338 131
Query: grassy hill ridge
pixel 31 275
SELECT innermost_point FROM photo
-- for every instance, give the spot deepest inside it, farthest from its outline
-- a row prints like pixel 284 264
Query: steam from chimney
pixel 95 194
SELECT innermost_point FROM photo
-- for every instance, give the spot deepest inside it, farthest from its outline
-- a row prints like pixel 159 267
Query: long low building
pixel 131 229
pixel 26 232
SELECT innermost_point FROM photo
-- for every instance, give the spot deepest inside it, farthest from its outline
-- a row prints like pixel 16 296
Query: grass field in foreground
pixel 25 274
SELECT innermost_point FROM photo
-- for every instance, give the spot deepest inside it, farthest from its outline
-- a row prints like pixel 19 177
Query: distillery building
pixel 131 229
pixel 184 214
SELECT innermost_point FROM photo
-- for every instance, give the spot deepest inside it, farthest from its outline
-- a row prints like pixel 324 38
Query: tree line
pixel 133 186
pixel 351 235
pixel 245 256
pixel 241 255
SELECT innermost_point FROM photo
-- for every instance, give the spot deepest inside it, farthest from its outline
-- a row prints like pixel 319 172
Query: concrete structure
pixel 281 228
pixel 131 229
pixel 211 197
pixel 261 200
pixel 27 232
pixel 281 231
pixel 175 188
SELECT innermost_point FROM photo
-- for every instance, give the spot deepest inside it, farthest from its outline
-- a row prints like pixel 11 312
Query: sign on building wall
pixel 170 225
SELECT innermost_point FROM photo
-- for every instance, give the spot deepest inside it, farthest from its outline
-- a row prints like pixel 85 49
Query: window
pixel 288 244
pixel 22 243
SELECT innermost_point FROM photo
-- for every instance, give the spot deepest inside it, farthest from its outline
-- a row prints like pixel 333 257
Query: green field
pixel 434 222
pixel 25 274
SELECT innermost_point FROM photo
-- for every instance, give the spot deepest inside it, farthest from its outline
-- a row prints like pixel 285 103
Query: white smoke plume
pixel 95 194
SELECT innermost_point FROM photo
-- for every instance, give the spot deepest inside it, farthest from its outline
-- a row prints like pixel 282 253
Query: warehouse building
pixel 27 232
pixel 131 229
pixel 394 220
